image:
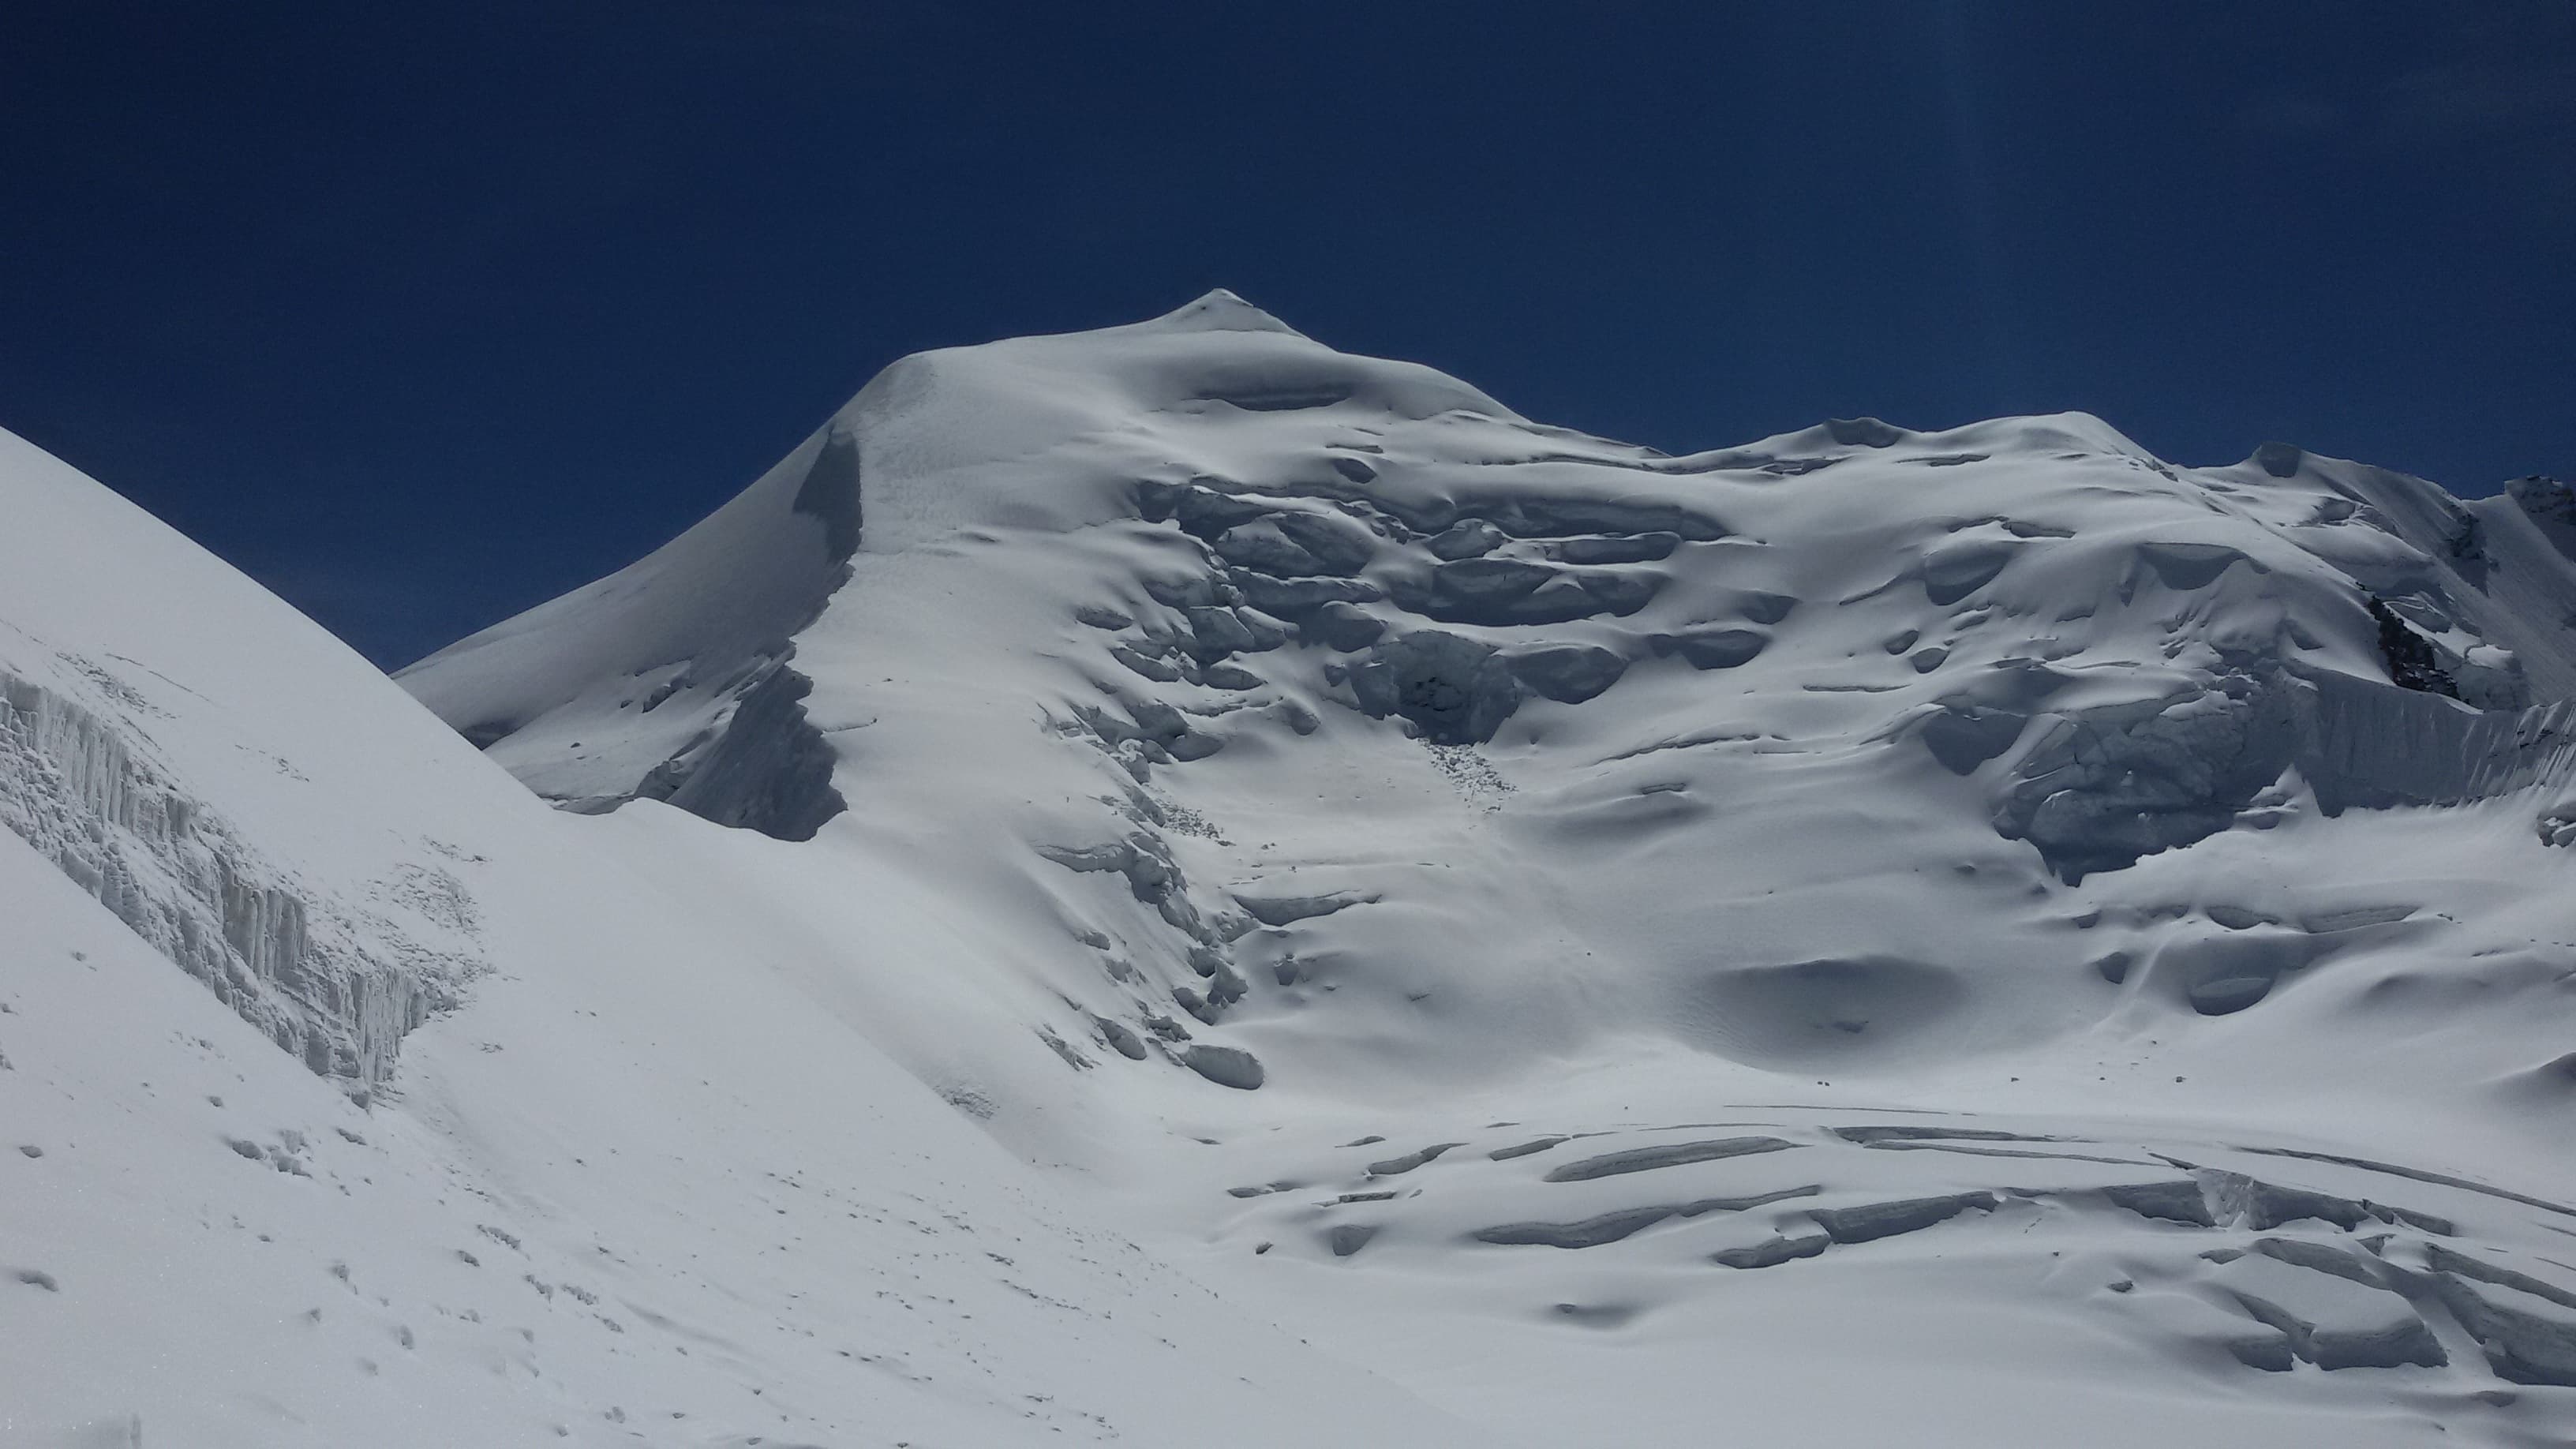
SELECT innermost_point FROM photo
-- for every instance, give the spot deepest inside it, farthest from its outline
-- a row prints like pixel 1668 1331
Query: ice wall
pixel 81 789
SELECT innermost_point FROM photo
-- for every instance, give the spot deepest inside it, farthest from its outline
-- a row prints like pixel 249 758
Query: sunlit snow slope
pixel 563 1145
pixel 1981 937
pixel 2024 841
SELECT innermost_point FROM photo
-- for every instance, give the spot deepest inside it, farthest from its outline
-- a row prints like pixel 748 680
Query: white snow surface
pixel 1214 890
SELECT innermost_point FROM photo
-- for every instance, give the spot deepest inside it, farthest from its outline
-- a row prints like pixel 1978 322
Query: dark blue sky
pixel 424 313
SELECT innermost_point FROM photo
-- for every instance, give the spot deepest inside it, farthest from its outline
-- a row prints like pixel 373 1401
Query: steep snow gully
pixel 1170 884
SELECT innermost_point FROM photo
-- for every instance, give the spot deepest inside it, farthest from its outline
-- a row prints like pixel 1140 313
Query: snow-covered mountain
pixel 1170 883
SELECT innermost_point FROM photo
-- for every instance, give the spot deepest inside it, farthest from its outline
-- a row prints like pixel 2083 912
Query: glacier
pixel 1171 882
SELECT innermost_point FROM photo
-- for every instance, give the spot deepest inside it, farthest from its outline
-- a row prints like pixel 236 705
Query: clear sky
pixel 422 313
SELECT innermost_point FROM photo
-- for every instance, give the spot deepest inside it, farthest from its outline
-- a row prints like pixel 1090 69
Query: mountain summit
pixel 1983 930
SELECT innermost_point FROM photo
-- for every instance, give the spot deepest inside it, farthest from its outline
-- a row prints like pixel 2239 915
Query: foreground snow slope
pixel 1305 748
pixel 633 1176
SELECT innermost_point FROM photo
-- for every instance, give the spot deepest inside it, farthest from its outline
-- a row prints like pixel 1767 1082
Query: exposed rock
pixel 2411 662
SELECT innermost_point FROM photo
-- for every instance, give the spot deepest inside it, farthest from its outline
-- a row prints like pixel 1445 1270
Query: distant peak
pixel 1221 311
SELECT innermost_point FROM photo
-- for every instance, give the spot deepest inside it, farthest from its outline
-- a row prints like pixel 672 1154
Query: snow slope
pixel 1952 934
pixel 632 1176
pixel 1308 721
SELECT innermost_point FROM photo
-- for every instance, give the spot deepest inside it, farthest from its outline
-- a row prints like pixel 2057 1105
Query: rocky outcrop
pixel 2412 662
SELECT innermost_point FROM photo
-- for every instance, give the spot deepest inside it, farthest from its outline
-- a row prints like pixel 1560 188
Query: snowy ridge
pixel 693 640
